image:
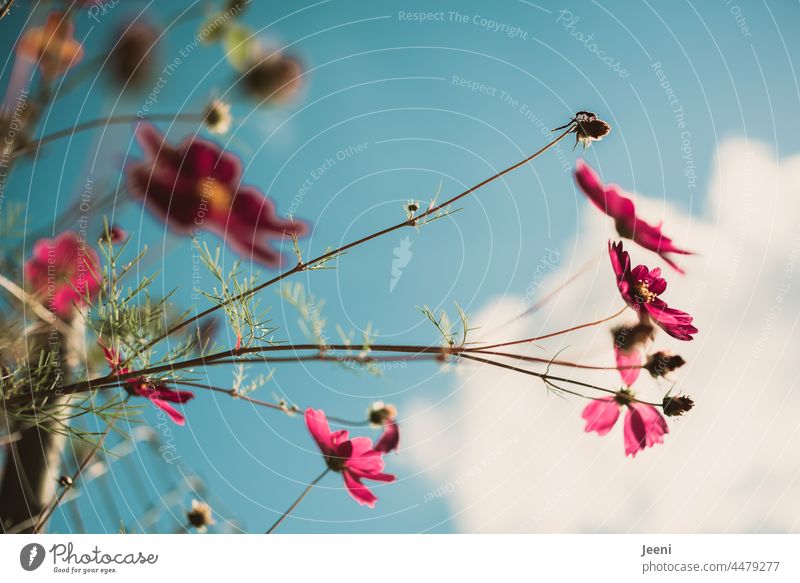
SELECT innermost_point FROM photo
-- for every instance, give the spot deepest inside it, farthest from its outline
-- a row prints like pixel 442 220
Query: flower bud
pixel 132 56
pixel 626 338
pixel 274 78
pixel 217 117
pixel 661 363
pixel 677 406
pixel 381 413
pixel 200 515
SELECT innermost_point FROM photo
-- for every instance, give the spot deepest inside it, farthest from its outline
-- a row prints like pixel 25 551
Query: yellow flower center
pixel 217 196
pixel 642 289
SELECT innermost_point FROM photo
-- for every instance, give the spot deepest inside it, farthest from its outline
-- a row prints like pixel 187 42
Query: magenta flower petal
pixel 629 364
pixel 612 202
pixel 607 198
pixel 644 427
pixel 318 427
pixel 359 491
pixel 601 415
pixel 173 396
pixel 640 287
pixel 390 438
pixel 355 458
pixel 175 415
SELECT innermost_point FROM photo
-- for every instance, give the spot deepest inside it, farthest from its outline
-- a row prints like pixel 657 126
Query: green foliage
pixel 449 329
pixel 233 294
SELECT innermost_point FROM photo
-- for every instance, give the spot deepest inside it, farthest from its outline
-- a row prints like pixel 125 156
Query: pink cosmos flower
pixel 196 185
pixel 640 288
pixel 52 46
pixel 160 394
pixel 644 426
pixel 355 458
pixel 61 271
pixel 611 200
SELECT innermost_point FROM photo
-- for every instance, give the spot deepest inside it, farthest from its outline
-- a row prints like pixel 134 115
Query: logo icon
pixel 31 556
pixel 402 257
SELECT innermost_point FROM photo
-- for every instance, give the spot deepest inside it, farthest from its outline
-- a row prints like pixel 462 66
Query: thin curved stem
pixel 549 378
pixel 104 121
pixel 559 333
pixel 407 353
pixel 554 292
pixel 287 410
pixel 302 266
pixel 48 512
pixel 296 502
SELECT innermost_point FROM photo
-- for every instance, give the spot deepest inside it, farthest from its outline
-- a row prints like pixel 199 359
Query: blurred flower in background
pixel 197 185
pixel 52 46
pixel 62 272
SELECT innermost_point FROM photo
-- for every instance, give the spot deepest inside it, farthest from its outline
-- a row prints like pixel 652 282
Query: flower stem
pixel 284 409
pixel 335 252
pixel 48 512
pixel 559 333
pixel 296 502
pixel 105 121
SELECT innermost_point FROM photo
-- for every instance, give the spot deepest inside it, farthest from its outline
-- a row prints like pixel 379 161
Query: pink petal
pixel 173 413
pixel 644 427
pixel 171 395
pixel 608 199
pixel 601 415
pixel 629 364
pixel 151 141
pixel 317 424
pixel 359 491
pixel 390 438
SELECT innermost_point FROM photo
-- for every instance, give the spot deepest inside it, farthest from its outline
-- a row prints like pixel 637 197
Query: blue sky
pixel 404 108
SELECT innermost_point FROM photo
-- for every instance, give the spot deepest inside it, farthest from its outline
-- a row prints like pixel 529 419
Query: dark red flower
pixel 610 200
pixel 641 287
pixel 197 185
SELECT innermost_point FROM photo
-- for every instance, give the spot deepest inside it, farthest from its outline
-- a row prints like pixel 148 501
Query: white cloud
pixel 509 457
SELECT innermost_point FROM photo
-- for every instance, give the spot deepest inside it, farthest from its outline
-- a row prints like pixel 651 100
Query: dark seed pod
pixel 132 58
pixel 274 79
